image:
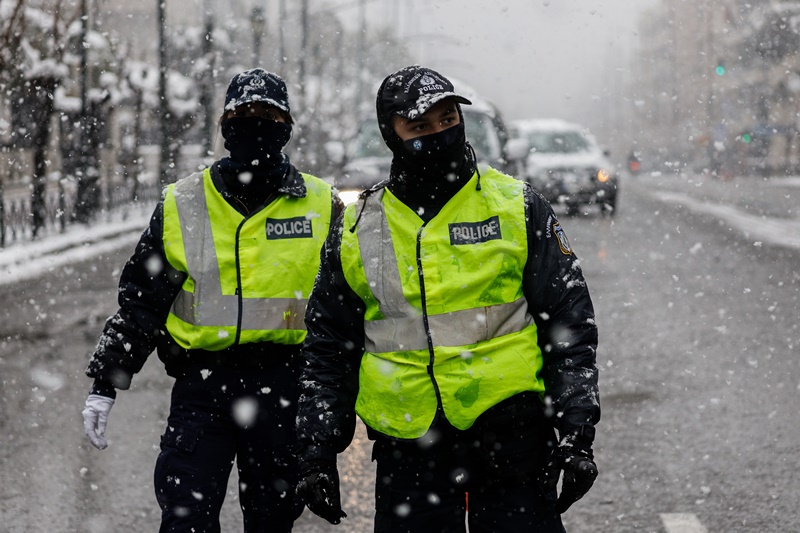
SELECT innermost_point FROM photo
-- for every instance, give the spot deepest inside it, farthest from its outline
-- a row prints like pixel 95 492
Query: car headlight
pixel 349 196
pixel 603 175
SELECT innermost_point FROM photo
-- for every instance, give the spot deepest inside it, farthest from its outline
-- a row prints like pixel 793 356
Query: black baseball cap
pixel 257 85
pixel 411 91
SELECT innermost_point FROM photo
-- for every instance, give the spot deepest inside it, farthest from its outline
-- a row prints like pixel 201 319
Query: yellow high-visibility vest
pixel 446 322
pixel 248 277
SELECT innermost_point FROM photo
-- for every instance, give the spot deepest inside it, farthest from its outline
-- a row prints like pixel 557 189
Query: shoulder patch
pixel 561 235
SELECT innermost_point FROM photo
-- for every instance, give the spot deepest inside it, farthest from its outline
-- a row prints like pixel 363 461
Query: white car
pixel 566 164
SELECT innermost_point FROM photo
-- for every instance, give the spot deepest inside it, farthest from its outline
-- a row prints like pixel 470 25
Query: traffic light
pixel 720 68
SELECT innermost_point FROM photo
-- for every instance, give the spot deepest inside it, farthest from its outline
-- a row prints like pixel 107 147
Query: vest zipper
pixel 425 319
pixel 238 285
pixel 239 313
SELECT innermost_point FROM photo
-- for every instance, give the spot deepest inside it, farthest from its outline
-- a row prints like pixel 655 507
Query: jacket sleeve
pixel 332 354
pixel 337 207
pixel 559 302
pixel 147 287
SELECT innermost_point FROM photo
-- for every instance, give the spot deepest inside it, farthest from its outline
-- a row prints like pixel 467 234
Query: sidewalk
pixel 777 197
pixel 29 259
pixel 766 210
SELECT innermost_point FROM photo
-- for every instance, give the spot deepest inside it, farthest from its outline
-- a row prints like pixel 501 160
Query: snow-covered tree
pixel 31 69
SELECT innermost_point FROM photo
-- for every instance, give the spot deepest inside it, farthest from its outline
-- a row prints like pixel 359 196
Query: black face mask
pixel 256 143
pixel 436 155
pixel 427 171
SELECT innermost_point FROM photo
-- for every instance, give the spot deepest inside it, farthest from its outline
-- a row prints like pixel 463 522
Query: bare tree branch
pixel 5 40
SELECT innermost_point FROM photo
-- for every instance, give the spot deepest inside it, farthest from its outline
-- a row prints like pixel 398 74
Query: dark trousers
pixel 222 414
pixel 422 484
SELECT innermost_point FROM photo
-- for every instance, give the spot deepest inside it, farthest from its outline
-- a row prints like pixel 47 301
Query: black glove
pixel 319 489
pixel 574 456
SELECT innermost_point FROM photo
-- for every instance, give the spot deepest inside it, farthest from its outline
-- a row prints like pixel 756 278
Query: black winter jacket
pixel 552 282
pixel 148 285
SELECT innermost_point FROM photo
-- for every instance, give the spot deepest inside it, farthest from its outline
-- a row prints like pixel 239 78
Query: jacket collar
pixel 293 183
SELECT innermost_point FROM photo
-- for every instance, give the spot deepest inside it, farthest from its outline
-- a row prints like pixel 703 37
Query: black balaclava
pixel 257 165
pixel 431 169
pixel 427 170
pixel 256 147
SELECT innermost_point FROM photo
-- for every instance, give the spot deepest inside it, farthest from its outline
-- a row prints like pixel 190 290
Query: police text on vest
pixel 475 232
pixel 289 228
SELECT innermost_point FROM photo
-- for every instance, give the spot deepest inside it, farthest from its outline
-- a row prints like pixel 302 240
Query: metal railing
pixel 16 214
pixel 117 191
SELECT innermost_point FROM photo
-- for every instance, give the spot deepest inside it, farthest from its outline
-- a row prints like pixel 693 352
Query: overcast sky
pixel 533 58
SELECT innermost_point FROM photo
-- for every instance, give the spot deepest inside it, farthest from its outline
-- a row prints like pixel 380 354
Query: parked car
pixel 567 165
pixel 368 160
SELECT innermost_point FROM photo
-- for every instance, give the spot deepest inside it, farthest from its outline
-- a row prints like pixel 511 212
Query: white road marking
pixel 682 523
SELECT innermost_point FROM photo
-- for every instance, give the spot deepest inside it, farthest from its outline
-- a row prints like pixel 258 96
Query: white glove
pixel 95 418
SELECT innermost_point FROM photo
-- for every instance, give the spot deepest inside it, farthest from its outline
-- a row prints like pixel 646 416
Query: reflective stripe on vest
pixel 483 339
pixel 202 304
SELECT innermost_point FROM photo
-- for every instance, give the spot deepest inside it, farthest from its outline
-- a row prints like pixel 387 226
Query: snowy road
pixel 699 341
pixel 697 291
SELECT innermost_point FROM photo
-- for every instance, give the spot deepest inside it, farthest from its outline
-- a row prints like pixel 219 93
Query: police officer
pixel 452 316
pixel 219 283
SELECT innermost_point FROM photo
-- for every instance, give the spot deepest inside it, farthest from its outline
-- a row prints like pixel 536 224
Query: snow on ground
pixel 777 231
pixel 26 260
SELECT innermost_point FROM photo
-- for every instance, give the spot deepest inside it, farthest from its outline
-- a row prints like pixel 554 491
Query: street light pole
pixel 258 23
pixel 207 85
pixel 362 33
pixel 282 37
pixel 83 68
pixel 303 49
pixel 80 211
pixel 165 157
